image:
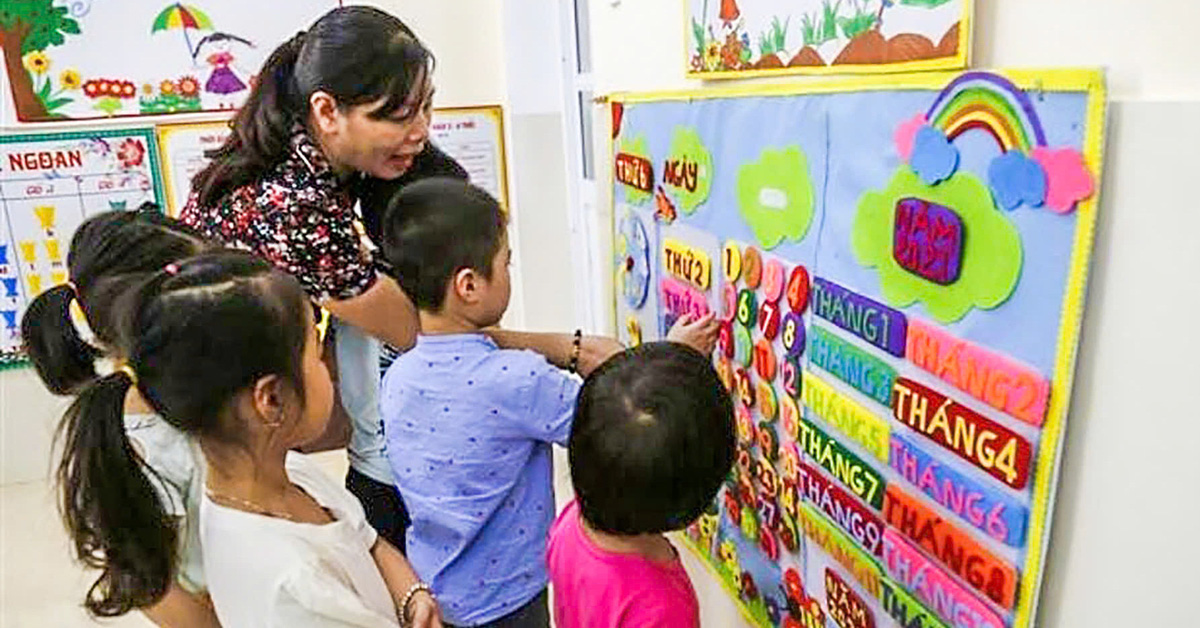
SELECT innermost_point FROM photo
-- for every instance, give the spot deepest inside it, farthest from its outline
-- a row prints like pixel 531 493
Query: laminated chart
pixel 49 183
pixel 898 266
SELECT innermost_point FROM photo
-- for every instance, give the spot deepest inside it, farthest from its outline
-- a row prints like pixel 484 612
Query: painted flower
pixel 127 90
pixel 189 87
pixel 37 62
pixel 167 87
pixel 131 152
pixel 92 88
pixel 147 89
pixel 712 56
pixel 69 79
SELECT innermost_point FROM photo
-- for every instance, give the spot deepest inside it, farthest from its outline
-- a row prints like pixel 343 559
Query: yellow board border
pixel 1082 80
pixel 162 135
pixel 959 61
pixel 496 113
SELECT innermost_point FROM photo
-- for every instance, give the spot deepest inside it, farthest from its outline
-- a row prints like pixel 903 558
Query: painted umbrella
pixel 183 17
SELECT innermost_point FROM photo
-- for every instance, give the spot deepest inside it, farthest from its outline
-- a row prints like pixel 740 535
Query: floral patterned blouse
pixel 301 218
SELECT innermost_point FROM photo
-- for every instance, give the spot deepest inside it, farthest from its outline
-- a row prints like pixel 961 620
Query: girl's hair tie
pixel 171 269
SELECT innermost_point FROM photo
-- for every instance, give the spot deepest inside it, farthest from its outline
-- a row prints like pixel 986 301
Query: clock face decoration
pixel 633 261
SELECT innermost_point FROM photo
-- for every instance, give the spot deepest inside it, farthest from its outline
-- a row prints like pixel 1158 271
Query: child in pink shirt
pixel 652 441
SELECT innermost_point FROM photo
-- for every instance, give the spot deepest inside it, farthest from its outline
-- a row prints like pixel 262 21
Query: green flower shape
pixel 992 252
pixel 776 197
pixel 688 150
pixel 636 147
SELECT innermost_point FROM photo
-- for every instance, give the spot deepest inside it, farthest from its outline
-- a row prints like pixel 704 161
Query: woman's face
pixel 381 147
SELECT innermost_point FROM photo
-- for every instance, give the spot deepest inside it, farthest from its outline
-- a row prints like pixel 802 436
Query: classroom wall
pixel 1123 546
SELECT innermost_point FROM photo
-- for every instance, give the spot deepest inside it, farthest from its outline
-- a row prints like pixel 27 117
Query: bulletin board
pixel 88 59
pixel 49 183
pixel 899 265
pixel 744 38
pixel 473 136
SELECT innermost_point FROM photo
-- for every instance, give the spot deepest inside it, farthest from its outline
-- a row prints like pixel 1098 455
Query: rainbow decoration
pixel 1027 170
pixel 979 100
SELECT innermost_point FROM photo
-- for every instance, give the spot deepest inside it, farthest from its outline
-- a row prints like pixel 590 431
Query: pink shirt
pixel 595 588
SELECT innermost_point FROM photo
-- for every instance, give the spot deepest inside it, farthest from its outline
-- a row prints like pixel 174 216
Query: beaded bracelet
pixel 410 594
pixel 575 348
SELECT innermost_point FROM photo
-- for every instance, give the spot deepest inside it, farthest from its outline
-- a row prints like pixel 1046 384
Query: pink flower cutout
pixel 906 135
pixel 130 153
pixel 1068 178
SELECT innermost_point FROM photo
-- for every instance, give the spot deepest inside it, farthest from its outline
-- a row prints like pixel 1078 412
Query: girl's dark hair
pixel 356 54
pixel 109 253
pixel 652 440
pixel 435 227
pixel 205 332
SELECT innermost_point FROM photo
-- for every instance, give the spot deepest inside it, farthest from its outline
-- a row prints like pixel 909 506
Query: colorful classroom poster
pixel 741 38
pixel 48 184
pixel 898 264
pixel 182 147
pixel 89 59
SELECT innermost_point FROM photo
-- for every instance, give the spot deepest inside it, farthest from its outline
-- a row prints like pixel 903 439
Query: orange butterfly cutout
pixel 664 208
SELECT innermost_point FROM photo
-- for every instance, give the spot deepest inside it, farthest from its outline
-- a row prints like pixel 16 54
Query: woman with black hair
pixel 339 112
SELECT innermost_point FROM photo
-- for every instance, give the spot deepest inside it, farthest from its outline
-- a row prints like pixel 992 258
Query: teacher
pixel 348 100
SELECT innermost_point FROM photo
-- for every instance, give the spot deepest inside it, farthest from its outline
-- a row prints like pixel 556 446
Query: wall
pixel 1123 546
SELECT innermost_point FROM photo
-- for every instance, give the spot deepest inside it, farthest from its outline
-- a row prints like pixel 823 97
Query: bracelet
pixel 575 347
pixel 417 587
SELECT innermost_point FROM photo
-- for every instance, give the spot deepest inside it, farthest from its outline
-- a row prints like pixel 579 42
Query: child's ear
pixel 268 399
pixel 466 285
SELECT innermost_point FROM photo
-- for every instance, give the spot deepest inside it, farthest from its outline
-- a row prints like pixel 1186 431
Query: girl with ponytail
pixel 225 350
pixel 110 252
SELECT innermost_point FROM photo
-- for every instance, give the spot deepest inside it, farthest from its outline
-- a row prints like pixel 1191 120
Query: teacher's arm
pixel 383 311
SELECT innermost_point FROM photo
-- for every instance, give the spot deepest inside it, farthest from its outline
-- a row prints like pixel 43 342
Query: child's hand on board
pixel 697 333
pixel 425 612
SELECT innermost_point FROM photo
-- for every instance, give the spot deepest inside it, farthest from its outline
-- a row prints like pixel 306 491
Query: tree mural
pixel 28 27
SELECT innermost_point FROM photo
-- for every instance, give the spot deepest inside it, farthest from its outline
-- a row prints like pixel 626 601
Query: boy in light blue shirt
pixel 468 423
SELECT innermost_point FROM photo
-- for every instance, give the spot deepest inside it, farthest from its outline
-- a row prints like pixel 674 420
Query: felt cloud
pixel 1068 178
pixel 933 158
pixel 906 135
pixel 992 253
pixel 776 197
pixel 1017 179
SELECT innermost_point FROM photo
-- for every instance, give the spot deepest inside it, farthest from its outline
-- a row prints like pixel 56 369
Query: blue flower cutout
pixel 934 158
pixel 1017 179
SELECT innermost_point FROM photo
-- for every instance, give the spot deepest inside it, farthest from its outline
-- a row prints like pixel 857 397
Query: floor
pixel 40 586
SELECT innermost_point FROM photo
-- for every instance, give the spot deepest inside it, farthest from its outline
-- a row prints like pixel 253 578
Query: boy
pixel 653 440
pixel 468 424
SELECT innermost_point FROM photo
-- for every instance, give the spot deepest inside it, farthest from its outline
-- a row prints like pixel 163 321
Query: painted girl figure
pixel 223 81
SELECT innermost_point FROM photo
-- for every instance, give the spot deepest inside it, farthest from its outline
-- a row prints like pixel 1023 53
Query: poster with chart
pixel 474 137
pixel 899 266
pixel 745 38
pixel 49 183
pixel 96 59
pixel 182 147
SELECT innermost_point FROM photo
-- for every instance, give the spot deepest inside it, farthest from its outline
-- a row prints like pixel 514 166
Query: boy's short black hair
pixel 435 227
pixel 652 441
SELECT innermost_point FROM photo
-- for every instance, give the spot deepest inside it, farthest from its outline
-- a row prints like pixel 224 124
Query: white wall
pixel 1124 544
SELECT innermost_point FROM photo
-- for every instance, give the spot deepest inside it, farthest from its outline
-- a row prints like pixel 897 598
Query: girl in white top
pixel 223 347
pixel 109 253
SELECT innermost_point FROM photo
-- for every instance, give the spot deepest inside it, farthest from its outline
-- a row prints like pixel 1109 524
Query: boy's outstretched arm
pixel 557 348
